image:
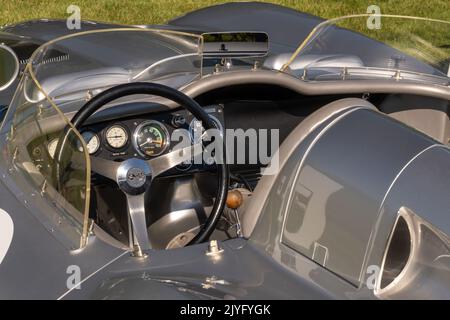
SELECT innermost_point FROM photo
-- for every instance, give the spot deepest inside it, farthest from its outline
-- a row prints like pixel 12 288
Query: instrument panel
pixel 145 136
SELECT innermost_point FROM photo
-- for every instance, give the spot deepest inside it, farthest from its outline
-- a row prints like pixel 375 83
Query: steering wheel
pixel 134 176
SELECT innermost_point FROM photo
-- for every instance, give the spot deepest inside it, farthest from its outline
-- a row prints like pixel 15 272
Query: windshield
pixel 46 155
pixel 371 47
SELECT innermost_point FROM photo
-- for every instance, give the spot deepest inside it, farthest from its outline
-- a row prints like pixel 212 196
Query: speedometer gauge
pixel 151 138
pixel 117 137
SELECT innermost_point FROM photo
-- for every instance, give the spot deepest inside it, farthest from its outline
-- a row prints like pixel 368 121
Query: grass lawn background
pixel 159 11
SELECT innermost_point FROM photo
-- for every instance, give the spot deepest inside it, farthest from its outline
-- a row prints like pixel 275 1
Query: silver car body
pixel 359 208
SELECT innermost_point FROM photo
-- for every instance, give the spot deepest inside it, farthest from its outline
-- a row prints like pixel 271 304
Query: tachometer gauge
pixel 51 147
pixel 92 142
pixel 151 138
pixel 117 137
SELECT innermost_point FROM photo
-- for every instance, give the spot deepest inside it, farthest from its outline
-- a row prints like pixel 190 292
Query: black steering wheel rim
pixel 184 101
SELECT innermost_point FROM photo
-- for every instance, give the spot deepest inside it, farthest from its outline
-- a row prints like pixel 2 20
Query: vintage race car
pixel 329 177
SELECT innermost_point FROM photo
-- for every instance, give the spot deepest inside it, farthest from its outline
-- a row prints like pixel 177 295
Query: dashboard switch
pixel 178 121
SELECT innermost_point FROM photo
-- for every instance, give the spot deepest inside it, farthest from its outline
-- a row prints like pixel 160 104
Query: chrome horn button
pixel 134 176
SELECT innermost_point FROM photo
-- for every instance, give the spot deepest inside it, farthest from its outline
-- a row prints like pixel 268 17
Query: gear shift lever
pixel 234 201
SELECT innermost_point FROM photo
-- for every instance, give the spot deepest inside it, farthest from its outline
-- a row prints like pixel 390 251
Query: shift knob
pixel 234 199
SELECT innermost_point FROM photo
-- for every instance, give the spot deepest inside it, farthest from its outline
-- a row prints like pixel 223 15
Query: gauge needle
pixel 151 141
pixel 143 144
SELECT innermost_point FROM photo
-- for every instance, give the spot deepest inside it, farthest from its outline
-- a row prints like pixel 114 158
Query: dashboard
pixel 143 131
pixel 142 137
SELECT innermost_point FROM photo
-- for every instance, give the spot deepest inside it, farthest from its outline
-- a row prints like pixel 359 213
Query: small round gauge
pixel 196 129
pixel 117 137
pixel 51 147
pixel 151 138
pixel 92 142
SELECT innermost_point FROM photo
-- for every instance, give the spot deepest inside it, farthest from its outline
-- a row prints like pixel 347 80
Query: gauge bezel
pixel 93 135
pixel 127 136
pixel 166 142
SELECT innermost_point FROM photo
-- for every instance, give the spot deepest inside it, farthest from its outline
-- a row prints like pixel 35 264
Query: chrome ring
pixel 165 143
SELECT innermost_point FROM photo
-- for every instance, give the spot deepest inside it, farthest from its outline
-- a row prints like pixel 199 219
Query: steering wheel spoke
pixel 168 161
pixel 136 210
pixel 105 168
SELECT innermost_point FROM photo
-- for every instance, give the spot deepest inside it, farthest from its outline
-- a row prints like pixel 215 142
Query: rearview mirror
pixel 9 67
pixel 235 44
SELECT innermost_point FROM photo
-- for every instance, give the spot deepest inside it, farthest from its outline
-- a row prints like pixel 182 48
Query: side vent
pixel 416 263
pixel 397 254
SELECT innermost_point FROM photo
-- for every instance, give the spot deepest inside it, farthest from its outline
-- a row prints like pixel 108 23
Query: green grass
pixel 159 11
